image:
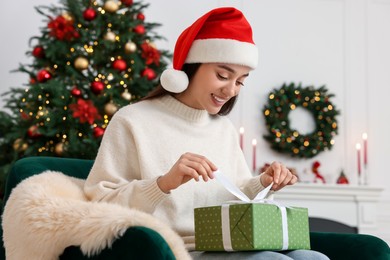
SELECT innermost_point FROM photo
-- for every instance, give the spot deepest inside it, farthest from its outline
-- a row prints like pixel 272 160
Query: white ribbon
pixel 260 198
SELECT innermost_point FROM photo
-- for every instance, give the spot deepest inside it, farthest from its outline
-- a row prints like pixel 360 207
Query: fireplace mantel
pixel 352 205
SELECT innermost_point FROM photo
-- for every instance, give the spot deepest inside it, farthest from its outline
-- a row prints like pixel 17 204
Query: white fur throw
pixel 48 212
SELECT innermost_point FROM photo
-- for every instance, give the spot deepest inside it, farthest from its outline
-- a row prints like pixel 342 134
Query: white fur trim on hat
pixel 223 51
pixel 175 81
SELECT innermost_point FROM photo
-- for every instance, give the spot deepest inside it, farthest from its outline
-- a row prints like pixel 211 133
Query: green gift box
pixel 251 226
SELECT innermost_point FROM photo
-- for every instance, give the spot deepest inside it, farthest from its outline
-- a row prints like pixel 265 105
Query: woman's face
pixel 213 85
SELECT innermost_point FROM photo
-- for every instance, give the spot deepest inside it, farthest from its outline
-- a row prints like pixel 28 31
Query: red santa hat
pixel 222 35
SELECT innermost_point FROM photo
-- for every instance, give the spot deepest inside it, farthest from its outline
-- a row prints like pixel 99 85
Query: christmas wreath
pixel 286 140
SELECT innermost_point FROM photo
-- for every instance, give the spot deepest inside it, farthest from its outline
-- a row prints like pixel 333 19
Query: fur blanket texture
pixel 49 212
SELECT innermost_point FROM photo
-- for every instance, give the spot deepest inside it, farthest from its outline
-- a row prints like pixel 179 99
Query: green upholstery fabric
pixel 144 243
pixel 136 243
pixel 349 246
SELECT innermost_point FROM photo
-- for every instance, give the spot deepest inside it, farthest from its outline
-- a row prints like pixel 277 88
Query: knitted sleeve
pixel 115 176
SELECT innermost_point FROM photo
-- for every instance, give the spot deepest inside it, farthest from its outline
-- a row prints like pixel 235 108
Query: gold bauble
pixel 111 6
pixel 81 63
pixel 67 16
pixel 110 108
pixel 19 145
pixel 130 47
pixel 110 36
pixel 59 149
pixel 126 95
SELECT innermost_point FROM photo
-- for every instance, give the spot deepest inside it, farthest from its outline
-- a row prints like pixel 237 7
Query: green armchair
pixel 142 242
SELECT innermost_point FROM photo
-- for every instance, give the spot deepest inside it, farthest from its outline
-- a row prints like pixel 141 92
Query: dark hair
pixel 190 70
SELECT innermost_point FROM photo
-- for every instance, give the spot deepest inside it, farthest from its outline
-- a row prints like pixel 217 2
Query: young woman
pixel 159 155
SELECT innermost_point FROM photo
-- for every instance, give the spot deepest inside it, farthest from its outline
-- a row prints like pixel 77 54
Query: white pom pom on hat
pixel 222 35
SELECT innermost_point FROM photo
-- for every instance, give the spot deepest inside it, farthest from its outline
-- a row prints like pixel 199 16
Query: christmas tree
pixel 91 59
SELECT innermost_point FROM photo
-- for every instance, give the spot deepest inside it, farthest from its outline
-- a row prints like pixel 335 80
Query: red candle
pixel 365 149
pixel 254 143
pixel 242 138
pixel 358 147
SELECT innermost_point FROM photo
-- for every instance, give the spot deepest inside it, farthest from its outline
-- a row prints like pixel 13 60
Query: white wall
pixel 343 44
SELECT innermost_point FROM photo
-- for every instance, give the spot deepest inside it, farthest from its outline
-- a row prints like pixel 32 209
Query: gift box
pixel 251 226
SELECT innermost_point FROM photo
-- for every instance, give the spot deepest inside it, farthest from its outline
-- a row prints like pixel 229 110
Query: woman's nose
pixel 230 90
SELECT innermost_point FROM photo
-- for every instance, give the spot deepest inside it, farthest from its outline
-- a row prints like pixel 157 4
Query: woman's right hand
pixel 189 166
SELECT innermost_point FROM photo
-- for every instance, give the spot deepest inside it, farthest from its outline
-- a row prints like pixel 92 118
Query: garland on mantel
pixel 286 140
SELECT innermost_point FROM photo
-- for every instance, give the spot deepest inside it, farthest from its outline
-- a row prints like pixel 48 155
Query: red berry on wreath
pixel 119 65
pixel 38 52
pixel 43 75
pixel 89 14
pixel 97 87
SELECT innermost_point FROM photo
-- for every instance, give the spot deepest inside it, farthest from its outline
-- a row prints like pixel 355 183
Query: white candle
pixel 242 138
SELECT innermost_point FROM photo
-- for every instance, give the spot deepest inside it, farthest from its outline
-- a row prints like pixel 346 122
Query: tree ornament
pixel 127 2
pixel 76 92
pixel 111 6
pixel 59 149
pixel 150 53
pixel 68 17
pixel 85 111
pixel 110 36
pixel 126 95
pixel 62 29
pixel 43 75
pixel 139 29
pixel 286 140
pixel 33 132
pixel 140 16
pixel 148 73
pixel 110 108
pixel 89 14
pixel 81 63
pixel 342 179
pixel 98 131
pixel 119 64
pixel 97 87
pixel 19 145
pixel 130 47
pixel 38 52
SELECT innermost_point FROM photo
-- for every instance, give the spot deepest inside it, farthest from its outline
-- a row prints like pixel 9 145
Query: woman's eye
pixel 222 77
pixel 240 83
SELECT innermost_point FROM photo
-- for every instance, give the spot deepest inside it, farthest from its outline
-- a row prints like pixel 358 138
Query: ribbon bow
pixel 260 198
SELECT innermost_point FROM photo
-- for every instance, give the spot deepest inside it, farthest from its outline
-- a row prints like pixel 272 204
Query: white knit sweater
pixel 144 140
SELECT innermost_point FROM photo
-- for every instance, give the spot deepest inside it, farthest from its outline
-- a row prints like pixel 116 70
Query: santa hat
pixel 222 35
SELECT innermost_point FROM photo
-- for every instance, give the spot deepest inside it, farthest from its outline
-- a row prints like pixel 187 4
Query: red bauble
pixel 33 81
pixel 75 92
pixel 98 132
pixel 43 75
pixel 148 73
pixel 141 16
pixel 89 14
pixel 119 65
pixel 139 29
pixel 342 179
pixel 127 2
pixel 33 132
pixel 38 52
pixel 97 87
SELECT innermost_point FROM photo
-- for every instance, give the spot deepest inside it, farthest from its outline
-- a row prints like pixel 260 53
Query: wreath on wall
pixel 286 140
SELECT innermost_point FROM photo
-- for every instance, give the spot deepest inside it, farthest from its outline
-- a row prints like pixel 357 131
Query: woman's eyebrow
pixel 231 70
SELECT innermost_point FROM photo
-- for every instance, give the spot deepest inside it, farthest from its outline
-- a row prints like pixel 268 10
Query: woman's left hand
pixel 279 175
